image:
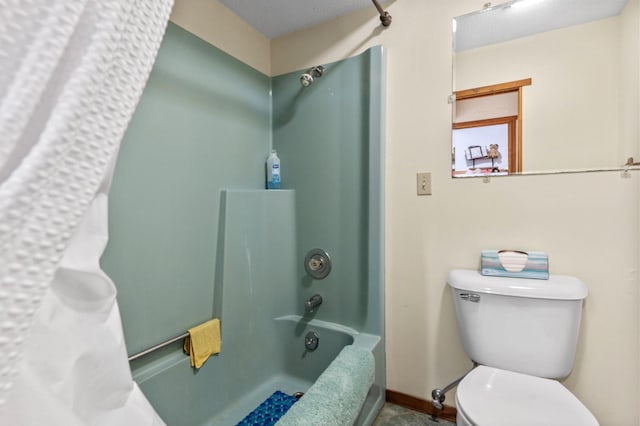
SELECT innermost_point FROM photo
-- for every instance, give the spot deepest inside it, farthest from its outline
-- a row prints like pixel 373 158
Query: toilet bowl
pixel 492 397
pixel 523 333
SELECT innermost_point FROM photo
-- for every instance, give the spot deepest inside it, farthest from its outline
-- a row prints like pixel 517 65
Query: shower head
pixel 307 78
pixel 317 71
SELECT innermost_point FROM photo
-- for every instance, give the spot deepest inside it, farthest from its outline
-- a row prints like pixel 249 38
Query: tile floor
pixel 395 415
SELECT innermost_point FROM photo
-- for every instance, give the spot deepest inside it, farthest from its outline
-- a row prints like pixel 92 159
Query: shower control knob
pixel 317 263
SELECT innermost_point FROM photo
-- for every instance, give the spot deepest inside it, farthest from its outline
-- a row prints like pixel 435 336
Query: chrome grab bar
pixel 158 346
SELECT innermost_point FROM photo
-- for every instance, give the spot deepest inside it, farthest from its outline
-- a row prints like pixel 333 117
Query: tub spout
pixel 313 302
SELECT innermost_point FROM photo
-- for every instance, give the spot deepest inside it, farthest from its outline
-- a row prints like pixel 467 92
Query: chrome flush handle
pixel 471 297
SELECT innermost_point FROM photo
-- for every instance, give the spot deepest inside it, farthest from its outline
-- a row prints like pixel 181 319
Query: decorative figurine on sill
pixel 493 153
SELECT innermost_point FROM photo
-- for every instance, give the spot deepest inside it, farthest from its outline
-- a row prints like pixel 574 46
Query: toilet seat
pixel 492 397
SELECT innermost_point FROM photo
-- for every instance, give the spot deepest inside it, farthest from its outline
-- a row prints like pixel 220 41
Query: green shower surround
pixel 203 124
pixel 206 123
pixel 322 135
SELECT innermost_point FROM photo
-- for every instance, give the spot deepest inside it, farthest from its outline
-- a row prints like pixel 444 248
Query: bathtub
pixel 280 362
pixel 259 297
pixel 295 368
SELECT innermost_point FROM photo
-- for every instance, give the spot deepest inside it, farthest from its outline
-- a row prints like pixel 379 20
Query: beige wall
pixel 588 223
pixel 217 24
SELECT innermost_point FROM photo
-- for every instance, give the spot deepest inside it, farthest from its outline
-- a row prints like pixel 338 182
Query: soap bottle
pixel 273 170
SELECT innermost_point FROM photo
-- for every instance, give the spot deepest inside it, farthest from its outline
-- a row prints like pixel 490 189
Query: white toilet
pixel 523 333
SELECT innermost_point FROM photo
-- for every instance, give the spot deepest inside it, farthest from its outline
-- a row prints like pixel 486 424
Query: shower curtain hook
pixel 385 17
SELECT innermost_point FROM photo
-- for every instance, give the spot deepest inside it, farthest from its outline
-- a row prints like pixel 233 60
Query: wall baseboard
pixel 447 413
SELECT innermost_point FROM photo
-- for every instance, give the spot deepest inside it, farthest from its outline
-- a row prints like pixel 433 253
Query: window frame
pixel 514 122
pixel 511 123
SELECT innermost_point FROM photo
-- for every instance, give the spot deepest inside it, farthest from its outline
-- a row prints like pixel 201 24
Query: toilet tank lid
pixel 560 287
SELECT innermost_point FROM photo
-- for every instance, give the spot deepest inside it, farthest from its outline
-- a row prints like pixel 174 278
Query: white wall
pixel 481 136
pixel 588 223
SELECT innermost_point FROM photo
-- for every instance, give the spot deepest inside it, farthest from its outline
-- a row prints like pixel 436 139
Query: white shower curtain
pixel 71 74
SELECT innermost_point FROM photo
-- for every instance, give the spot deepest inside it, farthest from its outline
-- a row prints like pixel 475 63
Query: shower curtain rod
pixel 385 17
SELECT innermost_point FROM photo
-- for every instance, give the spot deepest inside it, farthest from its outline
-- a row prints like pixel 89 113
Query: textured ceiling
pixel 274 18
pixel 506 22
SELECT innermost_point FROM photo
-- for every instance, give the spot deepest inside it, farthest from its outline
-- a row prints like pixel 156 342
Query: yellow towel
pixel 202 342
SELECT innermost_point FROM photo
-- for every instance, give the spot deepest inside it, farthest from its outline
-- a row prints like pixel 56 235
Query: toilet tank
pixel 523 325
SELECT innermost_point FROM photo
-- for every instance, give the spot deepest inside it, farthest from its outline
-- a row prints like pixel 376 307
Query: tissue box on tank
pixel 515 264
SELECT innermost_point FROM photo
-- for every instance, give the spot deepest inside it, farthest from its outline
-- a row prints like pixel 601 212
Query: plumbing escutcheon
pixel 311 340
pixel 317 263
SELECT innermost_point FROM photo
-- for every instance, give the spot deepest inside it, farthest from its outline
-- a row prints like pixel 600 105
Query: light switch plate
pixel 424 183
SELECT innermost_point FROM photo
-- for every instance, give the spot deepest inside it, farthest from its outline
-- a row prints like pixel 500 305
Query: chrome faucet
pixel 313 302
